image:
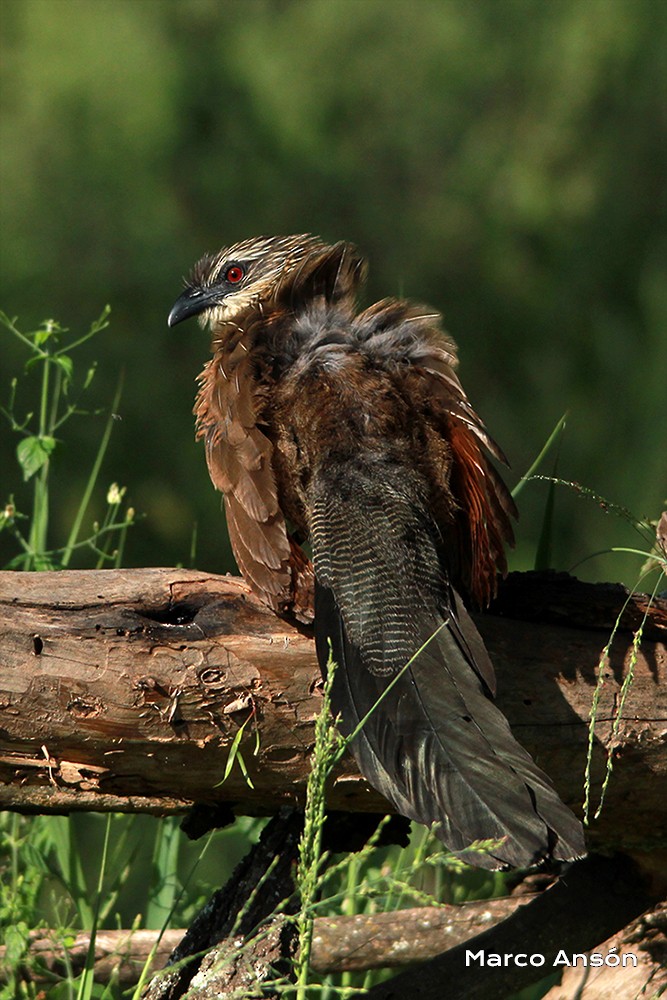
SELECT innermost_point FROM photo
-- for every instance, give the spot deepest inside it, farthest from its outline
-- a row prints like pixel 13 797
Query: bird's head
pixel 266 270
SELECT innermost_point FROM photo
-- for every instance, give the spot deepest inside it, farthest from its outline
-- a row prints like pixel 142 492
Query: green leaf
pixel 49 329
pixel 65 362
pixel 33 452
pixel 16 938
pixel 543 556
pixel 236 755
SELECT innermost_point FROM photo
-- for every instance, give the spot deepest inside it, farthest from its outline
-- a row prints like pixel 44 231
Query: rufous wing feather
pixel 483 525
pixel 239 462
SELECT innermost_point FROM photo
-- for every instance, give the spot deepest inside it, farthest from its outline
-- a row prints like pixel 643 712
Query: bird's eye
pixel 234 274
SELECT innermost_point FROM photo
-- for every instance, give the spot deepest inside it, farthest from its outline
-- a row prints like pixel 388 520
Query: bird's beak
pixel 192 302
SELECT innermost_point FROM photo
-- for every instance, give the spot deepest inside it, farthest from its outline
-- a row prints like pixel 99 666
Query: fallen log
pixel 340 944
pixel 125 689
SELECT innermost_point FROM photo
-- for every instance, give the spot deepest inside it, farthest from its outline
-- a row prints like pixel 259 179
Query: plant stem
pixel 92 478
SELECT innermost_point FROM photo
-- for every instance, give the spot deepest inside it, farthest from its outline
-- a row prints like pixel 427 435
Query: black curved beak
pixel 192 302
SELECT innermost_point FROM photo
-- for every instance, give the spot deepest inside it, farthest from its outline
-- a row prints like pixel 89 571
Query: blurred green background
pixel 502 160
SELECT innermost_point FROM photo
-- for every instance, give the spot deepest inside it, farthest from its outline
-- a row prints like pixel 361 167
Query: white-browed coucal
pixel 351 429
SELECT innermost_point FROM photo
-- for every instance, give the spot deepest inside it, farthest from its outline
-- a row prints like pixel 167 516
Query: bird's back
pixel 363 441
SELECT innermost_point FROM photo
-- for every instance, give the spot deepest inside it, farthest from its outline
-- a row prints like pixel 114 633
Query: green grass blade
pixel 86 983
pixel 145 972
pixel 92 478
pixel 543 555
pixel 165 861
pixel 551 440
pixel 70 870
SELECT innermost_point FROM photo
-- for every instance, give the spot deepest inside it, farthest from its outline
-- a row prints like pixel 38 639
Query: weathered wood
pixel 118 953
pixel 643 941
pixel 596 898
pixel 123 689
pixel 361 942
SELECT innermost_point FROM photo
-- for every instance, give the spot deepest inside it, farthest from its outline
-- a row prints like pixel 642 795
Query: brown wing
pixel 239 462
pixel 471 503
pixel 483 522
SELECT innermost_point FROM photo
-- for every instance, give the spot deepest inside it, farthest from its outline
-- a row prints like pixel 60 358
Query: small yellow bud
pixel 115 494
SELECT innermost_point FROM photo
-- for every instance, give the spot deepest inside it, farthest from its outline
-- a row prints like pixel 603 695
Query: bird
pixel 348 430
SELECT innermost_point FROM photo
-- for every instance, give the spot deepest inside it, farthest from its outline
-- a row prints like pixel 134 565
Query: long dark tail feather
pixel 436 746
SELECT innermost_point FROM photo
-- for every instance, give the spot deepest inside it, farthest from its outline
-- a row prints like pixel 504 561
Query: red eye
pixel 234 274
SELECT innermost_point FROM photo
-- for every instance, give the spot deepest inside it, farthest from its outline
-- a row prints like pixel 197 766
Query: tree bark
pixel 124 690
pixel 209 962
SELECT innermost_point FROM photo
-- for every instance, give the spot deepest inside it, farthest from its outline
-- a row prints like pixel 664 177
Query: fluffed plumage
pixel 351 429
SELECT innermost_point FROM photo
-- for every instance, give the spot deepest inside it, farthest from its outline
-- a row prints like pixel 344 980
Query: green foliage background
pixel 503 160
